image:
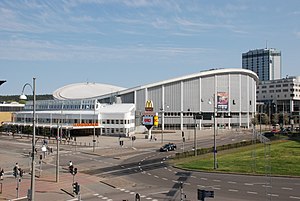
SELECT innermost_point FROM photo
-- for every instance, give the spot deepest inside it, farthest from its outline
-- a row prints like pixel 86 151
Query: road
pixel 115 174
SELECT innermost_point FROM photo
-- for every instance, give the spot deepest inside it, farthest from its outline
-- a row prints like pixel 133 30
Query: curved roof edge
pixel 84 90
pixel 199 74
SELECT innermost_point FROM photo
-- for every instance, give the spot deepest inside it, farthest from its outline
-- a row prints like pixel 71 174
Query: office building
pixel 283 94
pixel 266 63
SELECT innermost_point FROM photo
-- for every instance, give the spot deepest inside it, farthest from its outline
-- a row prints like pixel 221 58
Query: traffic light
pixel 71 169
pixel 75 171
pixel 76 188
pixel 21 172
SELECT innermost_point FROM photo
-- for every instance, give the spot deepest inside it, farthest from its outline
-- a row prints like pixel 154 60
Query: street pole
pixel 57 154
pixel 32 184
pixel 215 141
pixel 195 140
pixel 162 126
pixel 94 131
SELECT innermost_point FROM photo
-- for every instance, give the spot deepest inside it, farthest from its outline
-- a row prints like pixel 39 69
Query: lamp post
pixel 162 122
pixel 215 141
pixel 94 129
pixel 23 97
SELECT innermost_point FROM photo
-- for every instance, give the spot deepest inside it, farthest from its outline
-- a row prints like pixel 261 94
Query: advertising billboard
pixel 222 101
pixel 148 120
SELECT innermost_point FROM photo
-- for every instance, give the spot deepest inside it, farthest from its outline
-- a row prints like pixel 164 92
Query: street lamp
pixel 94 129
pixel 23 97
pixel 162 123
pixel 215 142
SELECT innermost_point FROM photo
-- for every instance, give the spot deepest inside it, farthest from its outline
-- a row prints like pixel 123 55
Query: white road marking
pixel 232 190
pixel 273 195
pixel 216 180
pixel 251 192
pixel 247 184
pixel 231 182
pixel 293 197
pixel 165 179
pixel 203 178
pixel 286 188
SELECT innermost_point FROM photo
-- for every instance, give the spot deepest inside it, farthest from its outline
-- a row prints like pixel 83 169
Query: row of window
pixel 278 96
pixel 117 121
pixel 75 121
pixel 278 90
pixel 279 85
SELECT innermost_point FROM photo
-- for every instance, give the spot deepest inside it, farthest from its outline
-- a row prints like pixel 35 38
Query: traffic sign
pixel 202 194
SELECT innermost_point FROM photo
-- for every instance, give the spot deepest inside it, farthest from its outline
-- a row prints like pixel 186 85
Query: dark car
pixel 168 147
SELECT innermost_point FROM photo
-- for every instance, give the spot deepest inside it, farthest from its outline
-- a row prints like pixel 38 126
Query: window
pixel 121 121
pixel 108 121
pixel 278 85
pixel 117 121
pixel 271 86
pixel 112 121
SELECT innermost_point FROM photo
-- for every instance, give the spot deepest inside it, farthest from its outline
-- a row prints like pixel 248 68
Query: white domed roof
pixel 84 91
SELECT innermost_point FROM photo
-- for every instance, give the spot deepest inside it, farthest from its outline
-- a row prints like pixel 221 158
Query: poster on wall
pixel 222 101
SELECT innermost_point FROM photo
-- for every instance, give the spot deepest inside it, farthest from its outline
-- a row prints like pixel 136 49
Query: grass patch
pixel 284 159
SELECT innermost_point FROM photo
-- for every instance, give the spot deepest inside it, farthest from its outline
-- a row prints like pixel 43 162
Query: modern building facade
pixel 266 63
pixel 284 94
pixel 78 117
pixel 229 95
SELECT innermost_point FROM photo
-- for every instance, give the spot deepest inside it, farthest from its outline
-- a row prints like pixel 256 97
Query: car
pixel 168 147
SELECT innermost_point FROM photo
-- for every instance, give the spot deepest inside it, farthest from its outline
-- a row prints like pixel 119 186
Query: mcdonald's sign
pixel 149 105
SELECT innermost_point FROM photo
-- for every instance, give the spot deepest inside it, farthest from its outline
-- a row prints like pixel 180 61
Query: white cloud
pixel 44 51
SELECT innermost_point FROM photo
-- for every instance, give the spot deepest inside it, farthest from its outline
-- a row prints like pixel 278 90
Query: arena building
pixel 227 94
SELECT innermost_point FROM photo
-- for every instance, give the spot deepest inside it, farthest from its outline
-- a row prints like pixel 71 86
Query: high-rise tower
pixel 266 63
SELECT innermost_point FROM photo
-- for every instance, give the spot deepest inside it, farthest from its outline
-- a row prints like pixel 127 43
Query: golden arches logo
pixel 149 105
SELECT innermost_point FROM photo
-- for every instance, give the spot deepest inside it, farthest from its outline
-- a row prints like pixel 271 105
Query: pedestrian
pixel 1 173
pixel 16 166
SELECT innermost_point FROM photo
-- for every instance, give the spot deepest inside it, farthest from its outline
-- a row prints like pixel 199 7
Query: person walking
pixel 1 173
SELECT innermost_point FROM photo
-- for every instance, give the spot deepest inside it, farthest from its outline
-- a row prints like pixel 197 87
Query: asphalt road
pixel 120 174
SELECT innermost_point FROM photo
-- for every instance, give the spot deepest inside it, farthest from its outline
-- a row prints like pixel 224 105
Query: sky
pixel 129 43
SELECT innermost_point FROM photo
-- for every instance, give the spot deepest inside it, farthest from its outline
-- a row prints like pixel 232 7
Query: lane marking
pixel 273 195
pixel 251 192
pixel 231 182
pixel 247 184
pixel 286 188
pixel 293 197
pixel 232 190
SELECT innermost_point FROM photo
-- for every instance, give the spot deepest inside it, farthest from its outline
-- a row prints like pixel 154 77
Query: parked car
pixel 168 147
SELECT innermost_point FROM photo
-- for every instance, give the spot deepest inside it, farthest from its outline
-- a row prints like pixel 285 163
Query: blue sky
pixel 133 42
